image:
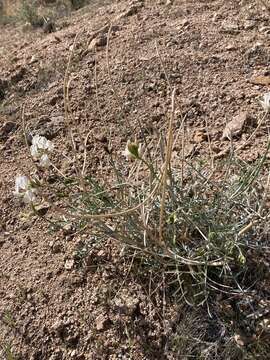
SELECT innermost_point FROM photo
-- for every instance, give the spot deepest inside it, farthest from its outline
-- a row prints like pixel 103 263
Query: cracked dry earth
pixel 216 53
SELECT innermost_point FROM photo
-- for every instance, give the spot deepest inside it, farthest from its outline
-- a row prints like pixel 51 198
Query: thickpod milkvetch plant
pixel 162 204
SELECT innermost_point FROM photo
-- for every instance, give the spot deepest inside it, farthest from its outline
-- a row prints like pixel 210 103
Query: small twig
pixel 96 86
pixel 246 228
pixel 24 128
pixel 209 144
pixel 166 168
pixel 85 152
pixel 265 194
pixel 126 276
pixel 182 155
pixel 72 117
pixel 59 171
pixel 67 111
pixel 254 132
pixel 115 92
pixel 25 139
pixel 163 67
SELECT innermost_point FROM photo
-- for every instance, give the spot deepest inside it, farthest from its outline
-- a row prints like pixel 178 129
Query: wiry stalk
pixel 166 169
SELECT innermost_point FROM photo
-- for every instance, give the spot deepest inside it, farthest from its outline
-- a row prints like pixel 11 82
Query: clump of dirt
pixel 64 296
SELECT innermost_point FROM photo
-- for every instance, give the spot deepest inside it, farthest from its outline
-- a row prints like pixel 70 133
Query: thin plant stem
pixel 66 111
pixel 254 132
pixel 163 68
pixel 115 92
pixel 166 169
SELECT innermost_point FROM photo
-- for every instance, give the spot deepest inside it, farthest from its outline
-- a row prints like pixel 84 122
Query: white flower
pixel 24 189
pixel 266 102
pixel 44 161
pixel 132 150
pixel 34 151
pixel 21 183
pixel 40 148
pixel 41 143
pixel 30 196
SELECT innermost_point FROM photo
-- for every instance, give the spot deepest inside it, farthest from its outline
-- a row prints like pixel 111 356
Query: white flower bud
pixel 21 183
pixel 30 196
pixel 266 102
pixel 24 189
pixel 44 161
pixel 132 150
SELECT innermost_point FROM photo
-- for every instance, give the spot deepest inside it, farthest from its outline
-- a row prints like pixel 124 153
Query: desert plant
pixel 197 228
pixel 194 221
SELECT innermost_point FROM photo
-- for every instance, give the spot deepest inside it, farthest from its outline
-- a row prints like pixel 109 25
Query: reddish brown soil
pixel 212 51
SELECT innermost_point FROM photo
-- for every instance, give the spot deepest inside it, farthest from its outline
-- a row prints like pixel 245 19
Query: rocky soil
pixel 63 295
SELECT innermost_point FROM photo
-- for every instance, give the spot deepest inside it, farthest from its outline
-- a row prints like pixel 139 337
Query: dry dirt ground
pixel 96 306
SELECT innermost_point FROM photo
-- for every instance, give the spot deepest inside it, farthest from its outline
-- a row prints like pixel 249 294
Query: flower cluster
pixel 25 189
pixel 40 149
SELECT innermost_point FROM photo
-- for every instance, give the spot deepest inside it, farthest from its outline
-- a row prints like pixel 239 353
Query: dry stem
pixel 166 168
